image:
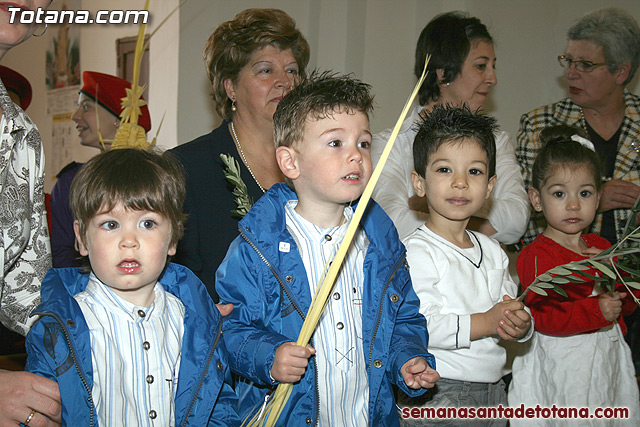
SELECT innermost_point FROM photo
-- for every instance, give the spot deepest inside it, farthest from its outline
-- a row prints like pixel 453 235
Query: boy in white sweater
pixel 461 276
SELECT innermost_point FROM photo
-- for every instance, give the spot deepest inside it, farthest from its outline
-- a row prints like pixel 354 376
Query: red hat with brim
pixel 17 83
pixel 108 91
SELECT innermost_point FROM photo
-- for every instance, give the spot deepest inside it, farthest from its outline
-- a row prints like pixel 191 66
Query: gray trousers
pixel 455 394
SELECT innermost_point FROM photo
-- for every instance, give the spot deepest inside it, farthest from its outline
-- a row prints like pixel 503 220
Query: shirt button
pixel 219 366
pixel 336 296
pixel 153 414
pixel 327 237
pixel 309 420
pixel 340 325
pixel 395 298
pixel 146 345
pixel 149 379
pixel 141 313
pixel 377 363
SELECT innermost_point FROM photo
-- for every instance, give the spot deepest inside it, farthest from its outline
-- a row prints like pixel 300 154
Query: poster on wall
pixel 63 83
pixel 61 104
pixel 63 52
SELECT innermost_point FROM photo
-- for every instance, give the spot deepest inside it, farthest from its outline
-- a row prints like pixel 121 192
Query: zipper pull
pixel 264 405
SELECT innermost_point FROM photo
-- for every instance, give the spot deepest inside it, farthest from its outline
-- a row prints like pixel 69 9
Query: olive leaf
pixel 603 268
pixel 232 174
pixel 575 267
pixel 560 271
pixel 537 290
pixel 622 257
pixel 634 285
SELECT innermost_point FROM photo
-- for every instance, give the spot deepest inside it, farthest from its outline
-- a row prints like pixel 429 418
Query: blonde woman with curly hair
pixel 252 62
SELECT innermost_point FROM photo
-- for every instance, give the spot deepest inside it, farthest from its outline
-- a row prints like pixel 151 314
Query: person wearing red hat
pixel 99 107
pixel 97 120
pixel 17 85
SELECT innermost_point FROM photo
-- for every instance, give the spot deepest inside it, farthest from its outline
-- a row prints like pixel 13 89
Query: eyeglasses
pixel 582 66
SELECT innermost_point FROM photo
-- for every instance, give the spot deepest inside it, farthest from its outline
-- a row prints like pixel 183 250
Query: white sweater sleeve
pixel 448 331
pixel 394 186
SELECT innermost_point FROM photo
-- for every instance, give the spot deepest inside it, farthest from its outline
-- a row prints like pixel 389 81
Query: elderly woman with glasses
pixel 601 58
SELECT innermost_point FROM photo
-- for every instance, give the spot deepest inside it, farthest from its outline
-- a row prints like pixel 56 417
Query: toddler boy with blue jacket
pixel 371 335
pixel 136 340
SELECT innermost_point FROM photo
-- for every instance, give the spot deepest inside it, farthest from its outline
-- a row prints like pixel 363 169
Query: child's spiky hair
pixel 446 123
pixel 317 97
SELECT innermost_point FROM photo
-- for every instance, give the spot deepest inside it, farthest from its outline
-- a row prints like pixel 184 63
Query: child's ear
pixel 418 184
pixel 490 185
pixel 534 196
pixel 172 249
pixel 287 161
pixel 81 246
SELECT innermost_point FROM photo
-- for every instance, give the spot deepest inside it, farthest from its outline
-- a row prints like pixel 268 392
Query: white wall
pixel 374 39
pixel 98 53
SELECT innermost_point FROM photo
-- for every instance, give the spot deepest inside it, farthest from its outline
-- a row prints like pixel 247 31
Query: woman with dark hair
pixel 601 58
pixel 461 71
pixel 252 62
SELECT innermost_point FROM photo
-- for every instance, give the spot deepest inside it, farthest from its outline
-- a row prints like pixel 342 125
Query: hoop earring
pixel 233 105
pixel 42 33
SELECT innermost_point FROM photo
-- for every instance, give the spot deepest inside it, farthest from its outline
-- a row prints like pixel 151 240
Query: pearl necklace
pixel 244 159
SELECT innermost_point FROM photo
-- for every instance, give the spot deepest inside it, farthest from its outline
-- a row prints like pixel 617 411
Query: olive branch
pixel 623 256
pixel 232 174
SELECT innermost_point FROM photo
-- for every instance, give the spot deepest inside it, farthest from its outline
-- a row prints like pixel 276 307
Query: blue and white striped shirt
pixel 135 353
pixel 342 375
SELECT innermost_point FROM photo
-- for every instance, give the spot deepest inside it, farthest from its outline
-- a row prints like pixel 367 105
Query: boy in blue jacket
pixel 136 340
pixel 371 335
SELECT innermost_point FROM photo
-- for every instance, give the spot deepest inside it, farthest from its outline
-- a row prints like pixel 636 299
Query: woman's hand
pixel 616 194
pixel 23 392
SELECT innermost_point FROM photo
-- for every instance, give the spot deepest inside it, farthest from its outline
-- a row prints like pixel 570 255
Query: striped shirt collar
pixel 120 307
pixel 314 231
